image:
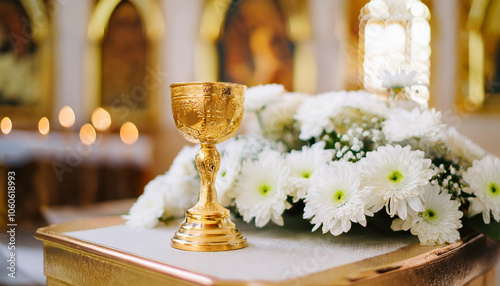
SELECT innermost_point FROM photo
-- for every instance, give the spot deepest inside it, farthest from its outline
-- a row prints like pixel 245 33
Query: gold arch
pixel 296 13
pixel 151 17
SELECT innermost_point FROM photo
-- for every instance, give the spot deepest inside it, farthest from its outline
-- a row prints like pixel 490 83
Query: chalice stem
pixel 208 163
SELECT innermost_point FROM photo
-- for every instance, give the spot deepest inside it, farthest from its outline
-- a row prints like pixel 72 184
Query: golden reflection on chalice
pixel 207 113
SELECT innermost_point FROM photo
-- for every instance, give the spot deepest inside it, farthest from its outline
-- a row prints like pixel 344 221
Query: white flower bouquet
pixel 344 157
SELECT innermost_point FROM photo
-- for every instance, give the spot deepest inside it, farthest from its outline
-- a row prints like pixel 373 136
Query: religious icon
pixel 18 69
pixel 254 47
pixel 124 58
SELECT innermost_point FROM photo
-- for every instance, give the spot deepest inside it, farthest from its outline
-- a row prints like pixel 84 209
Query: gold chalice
pixel 207 113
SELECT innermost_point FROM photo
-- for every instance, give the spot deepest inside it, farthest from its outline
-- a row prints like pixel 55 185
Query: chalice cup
pixel 207 113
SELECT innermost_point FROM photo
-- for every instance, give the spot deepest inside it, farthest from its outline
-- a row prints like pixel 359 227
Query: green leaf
pixel 492 229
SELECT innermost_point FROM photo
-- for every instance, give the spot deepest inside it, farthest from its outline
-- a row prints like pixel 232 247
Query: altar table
pixel 104 251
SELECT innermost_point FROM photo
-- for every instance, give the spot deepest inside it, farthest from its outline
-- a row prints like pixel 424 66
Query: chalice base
pixel 208 232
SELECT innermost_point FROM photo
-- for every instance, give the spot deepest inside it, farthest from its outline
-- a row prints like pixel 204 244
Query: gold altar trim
pixel 70 252
pixel 73 261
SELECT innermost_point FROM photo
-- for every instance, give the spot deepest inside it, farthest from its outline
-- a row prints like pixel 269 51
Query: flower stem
pixel 259 119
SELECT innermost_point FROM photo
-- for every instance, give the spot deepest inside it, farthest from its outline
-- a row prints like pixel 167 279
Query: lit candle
pixel 87 134
pixel 129 133
pixel 66 117
pixel 44 126
pixel 6 125
pixel 67 120
pixel 101 119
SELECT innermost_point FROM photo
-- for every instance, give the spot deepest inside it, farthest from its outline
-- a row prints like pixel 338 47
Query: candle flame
pixel 101 119
pixel 129 133
pixel 44 126
pixel 6 125
pixel 87 134
pixel 66 117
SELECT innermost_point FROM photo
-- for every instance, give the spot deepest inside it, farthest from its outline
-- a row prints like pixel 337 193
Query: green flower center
pixel 397 88
pixel 428 215
pixel 306 174
pixel 395 176
pixel 494 189
pixel 223 174
pixel 264 189
pixel 339 197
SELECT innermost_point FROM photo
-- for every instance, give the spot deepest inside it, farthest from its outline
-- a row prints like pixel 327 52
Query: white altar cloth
pixel 274 253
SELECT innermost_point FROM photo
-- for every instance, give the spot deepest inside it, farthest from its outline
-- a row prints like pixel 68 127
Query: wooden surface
pixel 69 261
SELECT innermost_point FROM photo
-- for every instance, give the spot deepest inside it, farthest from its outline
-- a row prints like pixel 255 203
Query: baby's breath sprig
pixel 449 178
pixel 356 134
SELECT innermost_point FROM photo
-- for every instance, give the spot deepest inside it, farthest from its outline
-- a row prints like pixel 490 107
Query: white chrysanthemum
pixel 173 192
pixel 408 105
pixel 395 177
pixel 484 181
pixel 226 179
pixel 249 124
pixel 185 161
pixel 402 124
pixel 364 101
pixel 260 190
pixel 248 146
pixel 303 164
pixel 315 115
pixel 439 221
pixel 257 97
pixel 335 198
pixel 398 80
pixel 462 146
pixel 181 182
pixel 233 153
pixel 278 117
pixel 146 211
pixel 230 166
pixel 180 192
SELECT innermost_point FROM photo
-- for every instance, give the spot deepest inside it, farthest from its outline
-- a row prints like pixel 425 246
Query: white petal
pixel 397 224
pixel 416 204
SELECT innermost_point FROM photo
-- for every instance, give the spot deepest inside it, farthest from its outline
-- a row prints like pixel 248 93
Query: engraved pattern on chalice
pixel 207 113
